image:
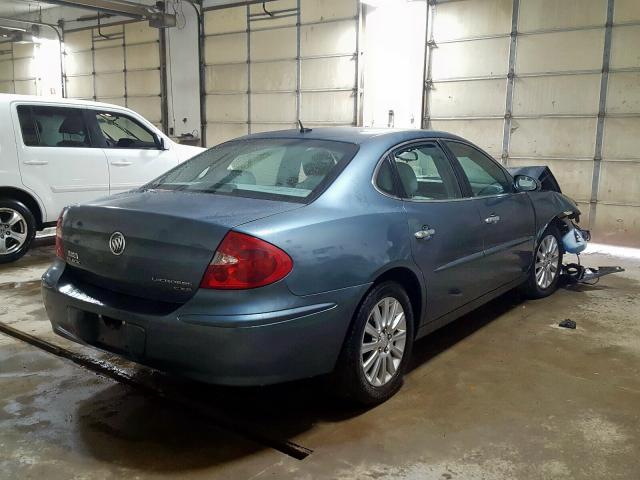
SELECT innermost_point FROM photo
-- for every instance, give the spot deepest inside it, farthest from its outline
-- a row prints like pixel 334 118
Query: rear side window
pixel 53 126
pixel 121 131
pixel 279 169
pixel 484 174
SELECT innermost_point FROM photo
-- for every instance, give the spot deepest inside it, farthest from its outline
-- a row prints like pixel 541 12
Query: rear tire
pixel 544 274
pixel 17 230
pixel 378 346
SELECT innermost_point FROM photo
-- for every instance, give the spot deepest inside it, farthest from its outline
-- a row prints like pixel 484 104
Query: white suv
pixel 57 152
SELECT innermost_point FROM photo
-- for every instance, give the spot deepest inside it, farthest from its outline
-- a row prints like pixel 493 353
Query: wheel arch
pixel 27 199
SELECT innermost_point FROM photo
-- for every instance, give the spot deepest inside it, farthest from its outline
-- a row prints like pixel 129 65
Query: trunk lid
pixel 169 239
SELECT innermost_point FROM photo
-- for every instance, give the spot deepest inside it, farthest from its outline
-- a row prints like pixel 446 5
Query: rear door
pixel 134 155
pixel 445 229
pixel 508 222
pixel 58 159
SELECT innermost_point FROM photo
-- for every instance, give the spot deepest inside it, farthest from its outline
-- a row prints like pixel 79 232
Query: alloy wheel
pixel 547 262
pixel 383 342
pixel 13 231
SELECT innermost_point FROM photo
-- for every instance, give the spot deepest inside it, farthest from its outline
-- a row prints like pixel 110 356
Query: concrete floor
pixel 503 393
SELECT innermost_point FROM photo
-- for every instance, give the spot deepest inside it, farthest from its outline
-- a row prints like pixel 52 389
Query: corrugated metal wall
pixel 265 70
pixel 118 64
pixel 563 90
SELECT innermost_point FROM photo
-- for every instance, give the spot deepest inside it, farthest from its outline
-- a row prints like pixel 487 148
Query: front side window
pixel 53 126
pixel 122 131
pixel 425 173
pixel 484 174
pixel 278 169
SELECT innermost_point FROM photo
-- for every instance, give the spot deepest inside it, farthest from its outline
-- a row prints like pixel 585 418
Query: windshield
pixel 273 168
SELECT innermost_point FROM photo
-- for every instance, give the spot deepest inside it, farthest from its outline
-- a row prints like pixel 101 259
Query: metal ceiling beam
pixel 156 16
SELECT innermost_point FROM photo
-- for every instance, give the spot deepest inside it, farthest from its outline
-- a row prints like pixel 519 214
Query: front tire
pixel 17 230
pixel 378 346
pixel 547 264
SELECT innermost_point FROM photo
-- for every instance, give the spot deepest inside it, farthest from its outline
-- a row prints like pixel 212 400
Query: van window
pixel 121 131
pixel 53 126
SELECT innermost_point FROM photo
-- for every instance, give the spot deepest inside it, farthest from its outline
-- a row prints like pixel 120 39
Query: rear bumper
pixel 301 339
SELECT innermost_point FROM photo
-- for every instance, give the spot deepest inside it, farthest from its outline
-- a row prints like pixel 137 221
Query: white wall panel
pixel 80 87
pixel 273 44
pixel 626 11
pixel 148 107
pixel 143 82
pixel 574 176
pixel 262 20
pixel 553 137
pixel 24 68
pixel 269 127
pixel 338 72
pixel 551 14
pixel 471 59
pixel 6 70
pixel 561 94
pixel 221 132
pixel 273 75
pixel 109 59
pixel 226 78
pixel 76 41
pixel 323 10
pixel 472 18
pixel 622 138
pixel 335 107
pixel 472 98
pixel 6 87
pixel 142 56
pixel 624 44
pixel 618 224
pixel 140 32
pixel 108 85
pixel 560 52
pixel 226 107
pixel 328 38
pixel 23 50
pixel 121 101
pixel 486 133
pixel 620 182
pixel 278 107
pixel 225 20
pixel 624 93
pixel 26 87
pixel 78 63
pixel 226 48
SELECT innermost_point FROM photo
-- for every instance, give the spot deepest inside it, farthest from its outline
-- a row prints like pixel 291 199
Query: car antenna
pixel 303 129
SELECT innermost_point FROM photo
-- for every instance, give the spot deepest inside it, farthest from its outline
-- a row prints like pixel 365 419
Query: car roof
pixel 10 97
pixel 357 135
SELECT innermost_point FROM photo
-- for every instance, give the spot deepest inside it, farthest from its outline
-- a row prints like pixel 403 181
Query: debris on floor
pixel 568 323
pixel 575 273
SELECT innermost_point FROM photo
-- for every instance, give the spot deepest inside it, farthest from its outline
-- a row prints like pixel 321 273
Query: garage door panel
pixel 23 50
pixel 622 54
pixel 225 20
pixel 24 68
pixel 471 18
pixel 109 60
pixel 226 48
pixel 270 127
pixel 328 39
pixel 148 107
pixel 79 63
pixel 6 87
pixel 626 11
pixel 142 56
pixel 623 95
pixel 140 32
pixel 327 106
pixel 621 138
pixel 226 78
pixel 273 44
pixel 6 70
pixel 338 72
pixel 323 10
pixel 273 76
pixel 115 33
pixel 574 176
pixel 547 14
pixel 120 101
pixel 80 87
pixel 571 51
pixel 260 20
pixel 226 107
pixel 487 134
pixel 278 107
pixel 617 224
pixel 471 59
pixel 619 182
pixel 76 41
pixel 221 132
pixel 110 85
pixel 473 98
pixel 553 137
pixel 26 87
pixel 144 82
pixel 561 94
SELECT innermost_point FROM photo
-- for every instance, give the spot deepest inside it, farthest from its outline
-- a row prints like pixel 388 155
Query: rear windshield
pixel 274 168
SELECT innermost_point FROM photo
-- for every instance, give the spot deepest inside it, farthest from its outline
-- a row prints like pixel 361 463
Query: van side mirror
pixel 525 183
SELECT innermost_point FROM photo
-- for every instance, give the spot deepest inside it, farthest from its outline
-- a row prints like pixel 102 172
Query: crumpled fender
pixel 549 205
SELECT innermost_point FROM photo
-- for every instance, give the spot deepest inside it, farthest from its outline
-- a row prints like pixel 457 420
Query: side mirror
pixel 525 183
pixel 160 143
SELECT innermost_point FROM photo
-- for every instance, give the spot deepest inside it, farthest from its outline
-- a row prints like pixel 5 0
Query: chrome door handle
pixel 36 162
pixel 492 219
pixel 425 234
pixel 122 163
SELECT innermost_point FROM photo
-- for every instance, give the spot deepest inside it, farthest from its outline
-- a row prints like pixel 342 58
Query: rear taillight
pixel 59 247
pixel 243 261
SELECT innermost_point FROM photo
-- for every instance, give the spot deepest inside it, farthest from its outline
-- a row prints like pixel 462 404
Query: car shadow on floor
pixel 122 416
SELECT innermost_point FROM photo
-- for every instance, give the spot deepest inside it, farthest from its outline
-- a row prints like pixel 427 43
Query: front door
pixel 445 229
pixel 508 221
pixel 135 157
pixel 57 158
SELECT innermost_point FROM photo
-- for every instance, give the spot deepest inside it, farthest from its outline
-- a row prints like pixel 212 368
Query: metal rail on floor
pixel 104 368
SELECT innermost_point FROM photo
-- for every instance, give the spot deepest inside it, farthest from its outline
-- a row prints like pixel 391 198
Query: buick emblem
pixel 117 243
